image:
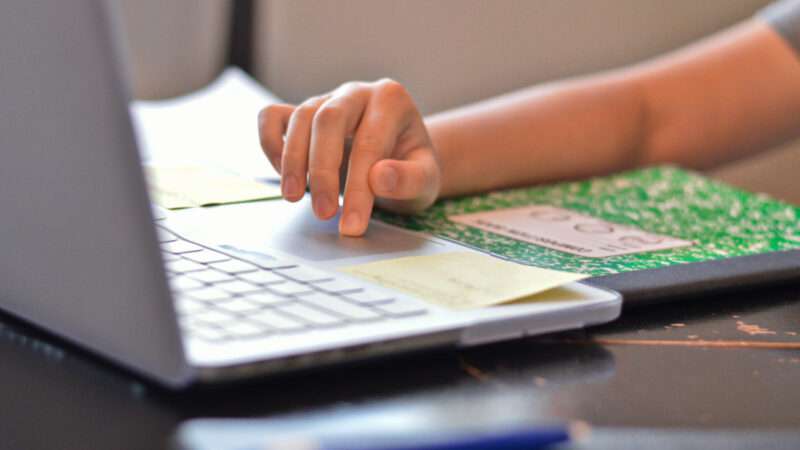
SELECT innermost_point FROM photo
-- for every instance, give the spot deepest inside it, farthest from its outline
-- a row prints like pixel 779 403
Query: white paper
pixel 216 126
pixel 568 231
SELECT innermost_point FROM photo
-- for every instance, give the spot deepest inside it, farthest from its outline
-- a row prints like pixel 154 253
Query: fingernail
pixel 324 206
pixel 351 224
pixel 290 186
pixel 389 179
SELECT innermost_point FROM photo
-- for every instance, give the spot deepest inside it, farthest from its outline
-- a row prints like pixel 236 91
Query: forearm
pixel 727 96
pixel 563 130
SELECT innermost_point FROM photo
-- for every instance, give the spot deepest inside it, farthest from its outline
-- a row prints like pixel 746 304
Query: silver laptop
pixel 200 295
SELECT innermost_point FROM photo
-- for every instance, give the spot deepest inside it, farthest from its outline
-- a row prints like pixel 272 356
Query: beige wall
pixel 449 52
pixel 174 46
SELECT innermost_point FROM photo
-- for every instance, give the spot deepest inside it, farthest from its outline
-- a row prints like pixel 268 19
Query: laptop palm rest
pixel 292 228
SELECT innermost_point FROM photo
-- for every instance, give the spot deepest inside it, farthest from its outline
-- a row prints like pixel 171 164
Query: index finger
pixel 383 121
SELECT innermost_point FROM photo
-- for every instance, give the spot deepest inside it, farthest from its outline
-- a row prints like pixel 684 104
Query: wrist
pixel 443 156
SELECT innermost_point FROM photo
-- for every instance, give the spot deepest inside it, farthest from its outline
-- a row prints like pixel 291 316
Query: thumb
pixel 415 178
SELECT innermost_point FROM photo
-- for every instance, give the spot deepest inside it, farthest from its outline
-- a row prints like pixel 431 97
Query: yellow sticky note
pixel 462 280
pixel 176 187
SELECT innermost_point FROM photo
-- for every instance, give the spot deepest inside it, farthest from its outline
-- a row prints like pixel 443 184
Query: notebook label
pixel 568 231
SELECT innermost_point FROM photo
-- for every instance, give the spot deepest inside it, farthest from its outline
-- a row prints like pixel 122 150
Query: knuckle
pixel 323 175
pixel 356 191
pixel 308 108
pixel 392 89
pixel 328 116
pixel 305 111
pixel 295 156
pixel 349 87
pixel 368 146
pixel 273 111
pixel 270 111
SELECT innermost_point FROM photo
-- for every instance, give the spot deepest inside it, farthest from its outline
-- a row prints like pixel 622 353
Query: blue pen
pixel 527 438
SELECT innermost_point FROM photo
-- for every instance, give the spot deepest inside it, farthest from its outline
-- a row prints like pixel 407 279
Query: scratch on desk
pixel 699 343
pixel 752 329
pixel 473 371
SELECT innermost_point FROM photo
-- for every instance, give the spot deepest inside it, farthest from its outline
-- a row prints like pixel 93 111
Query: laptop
pixel 204 295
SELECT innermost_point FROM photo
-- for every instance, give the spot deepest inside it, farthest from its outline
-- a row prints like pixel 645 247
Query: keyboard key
pixel 369 297
pixel 268 298
pixel 183 266
pixel 242 329
pixel 206 256
pixel 159 213
pixel 169 257
pixel 234 266
pixel 188 306
pixel 205 333
pixel 273 263
pixel 311 315
pixel 275 320
pixel 180 247
pixel 262 277
pixel 184 283
pixel 213 316
pixel 289 288
pixel 237 286
pixel 338 286
pixel 211 276
pixel 238 306
pixel 337 305
pixel 305 274
pixel 400 308
pixel 209 294
pixel 165 236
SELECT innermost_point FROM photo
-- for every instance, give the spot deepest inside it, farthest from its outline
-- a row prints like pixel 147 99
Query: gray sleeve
pixel 784 17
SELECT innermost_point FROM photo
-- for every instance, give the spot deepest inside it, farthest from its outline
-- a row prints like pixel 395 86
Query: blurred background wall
pixel 174 46
pixel 447 52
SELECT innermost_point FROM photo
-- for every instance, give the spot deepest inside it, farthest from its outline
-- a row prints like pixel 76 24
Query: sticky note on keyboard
pixel 462 280
pixel 176 187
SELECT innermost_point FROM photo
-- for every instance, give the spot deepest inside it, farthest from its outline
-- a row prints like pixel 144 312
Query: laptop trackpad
pixel 292 228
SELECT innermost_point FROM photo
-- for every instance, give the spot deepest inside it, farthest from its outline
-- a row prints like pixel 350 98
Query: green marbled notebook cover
pixel 723 221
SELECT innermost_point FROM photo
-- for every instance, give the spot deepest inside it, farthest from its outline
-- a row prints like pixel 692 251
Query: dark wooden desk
pixel 649 369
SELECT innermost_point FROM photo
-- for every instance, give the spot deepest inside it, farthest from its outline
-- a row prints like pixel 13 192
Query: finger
pixel 294 162
pixel 334 121
pixel 272 123
pixel 407 179
pixel 383 120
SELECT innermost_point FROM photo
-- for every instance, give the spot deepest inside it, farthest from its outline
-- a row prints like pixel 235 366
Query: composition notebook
pixel 651 234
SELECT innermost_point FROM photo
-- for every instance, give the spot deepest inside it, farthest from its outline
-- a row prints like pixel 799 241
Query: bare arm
pixel 731 94
pixel 734 93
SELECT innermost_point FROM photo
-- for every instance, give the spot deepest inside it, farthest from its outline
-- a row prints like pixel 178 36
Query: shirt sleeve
pixel 784 17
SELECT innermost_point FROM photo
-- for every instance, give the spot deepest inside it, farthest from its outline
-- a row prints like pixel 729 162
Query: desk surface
pixel 646 370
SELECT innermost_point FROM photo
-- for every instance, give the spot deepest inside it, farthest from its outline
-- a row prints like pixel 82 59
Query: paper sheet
pixel 215 126
pixel 175 187
pixel 462 280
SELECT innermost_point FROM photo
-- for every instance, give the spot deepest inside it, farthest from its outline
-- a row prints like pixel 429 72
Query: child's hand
pixel 392 160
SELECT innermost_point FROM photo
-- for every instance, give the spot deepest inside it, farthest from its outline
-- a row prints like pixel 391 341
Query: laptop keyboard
pixel 219 297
